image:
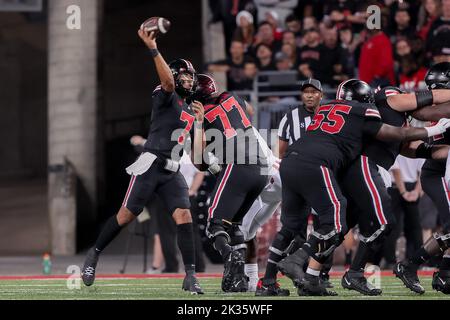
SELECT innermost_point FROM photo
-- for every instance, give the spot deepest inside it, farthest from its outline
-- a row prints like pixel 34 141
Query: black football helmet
pixel 355 90
pixel 206 88
pixel 179 67
pixel 438 77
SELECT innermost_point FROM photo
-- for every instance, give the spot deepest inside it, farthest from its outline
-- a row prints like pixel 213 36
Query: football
pixel 157 24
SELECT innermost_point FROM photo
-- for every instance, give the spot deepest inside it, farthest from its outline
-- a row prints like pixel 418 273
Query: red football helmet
pixel 206 88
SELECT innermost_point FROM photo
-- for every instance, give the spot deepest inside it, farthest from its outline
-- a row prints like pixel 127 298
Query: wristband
pixel 154 52
pixel 434 130
pixel 424 98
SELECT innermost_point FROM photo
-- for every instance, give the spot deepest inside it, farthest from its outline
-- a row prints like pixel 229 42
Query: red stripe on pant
pixel 446 191
pixel 130 187
pixel 219 190
pixel 333 198
pixel 376 198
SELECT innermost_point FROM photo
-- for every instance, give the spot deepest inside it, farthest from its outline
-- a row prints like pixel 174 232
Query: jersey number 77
pixel 221 111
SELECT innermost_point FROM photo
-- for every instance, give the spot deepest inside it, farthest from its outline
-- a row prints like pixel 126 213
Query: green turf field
pixel 154 289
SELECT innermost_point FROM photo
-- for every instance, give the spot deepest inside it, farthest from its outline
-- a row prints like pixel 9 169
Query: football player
pixel 292 127
pixel 156 171
pixel 232 139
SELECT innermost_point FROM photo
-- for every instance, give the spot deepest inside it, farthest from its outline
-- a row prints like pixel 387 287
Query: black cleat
pixel 190 283
pixel 313 287
pixel 292 265
pixel 409 277
pixel 88 271
pixel 356 281
pixel 271 290
pixel 234 278
pixel 240 283
pixel 441 281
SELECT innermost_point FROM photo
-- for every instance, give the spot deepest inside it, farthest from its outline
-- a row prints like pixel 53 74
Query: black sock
pixel 185 239
pixel 419 257
pixel 270 277
pixel 445 263
pixel 326 267
pixel 109 232
pixel 221 245
pixel 279 245
pixel 360 260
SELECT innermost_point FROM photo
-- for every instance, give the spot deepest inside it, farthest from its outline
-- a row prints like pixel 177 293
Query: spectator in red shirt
pixel 376 63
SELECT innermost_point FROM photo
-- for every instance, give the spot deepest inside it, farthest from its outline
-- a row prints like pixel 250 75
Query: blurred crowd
pixel 329 40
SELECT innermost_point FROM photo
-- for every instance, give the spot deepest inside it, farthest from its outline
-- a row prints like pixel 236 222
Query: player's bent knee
pixel 182 216
pixel 323 242
pixel 375 240
pixel 216 228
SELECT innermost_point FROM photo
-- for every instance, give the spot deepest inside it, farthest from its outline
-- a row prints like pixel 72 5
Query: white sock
pixel 251 270
pixel 447 171
pixel 313 272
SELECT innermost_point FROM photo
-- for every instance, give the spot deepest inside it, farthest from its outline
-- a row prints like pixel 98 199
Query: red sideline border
pixel 167 276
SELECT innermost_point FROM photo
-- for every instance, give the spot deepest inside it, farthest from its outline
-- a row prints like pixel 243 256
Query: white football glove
pixel 438 128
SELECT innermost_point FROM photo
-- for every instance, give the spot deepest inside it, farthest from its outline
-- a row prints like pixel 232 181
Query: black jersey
pixel 294 124
pixel 172 120
pixel 385 153
pixel 335 137
pixel 437 165
pixel 226 119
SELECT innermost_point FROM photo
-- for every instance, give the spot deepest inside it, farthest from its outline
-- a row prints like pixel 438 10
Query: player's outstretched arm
pixel 391 133
pixel 163 70
pixel 433 113
pixel 420 149
pixel 417 100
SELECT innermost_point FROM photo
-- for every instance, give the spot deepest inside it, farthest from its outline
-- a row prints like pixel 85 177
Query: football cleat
pixel 190 283
pixel 409 277
pixel 441 281
pixel 234 278
pixel 271 290
pixel 88 271
pixel 292 265
pixel 357 281
pixel 313 287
